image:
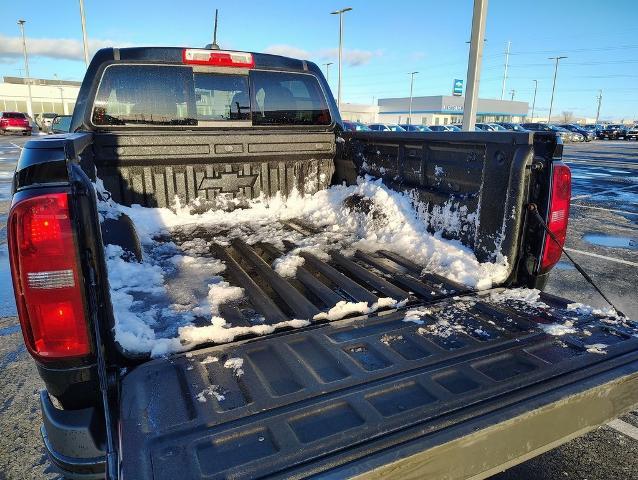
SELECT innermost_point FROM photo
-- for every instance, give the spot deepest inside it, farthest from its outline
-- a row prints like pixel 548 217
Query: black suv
pixel 613 132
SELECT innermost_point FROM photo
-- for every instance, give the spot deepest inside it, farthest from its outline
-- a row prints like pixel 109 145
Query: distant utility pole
pixel 551 102
pixel 340 13
pixel 84 40
pixel 600 99
pixel 27 78
pixel 327 65
pixel 534 101
pixel 507 61
pixel 412 74
pixel 214 45
pixel 479 19
pixel 512 92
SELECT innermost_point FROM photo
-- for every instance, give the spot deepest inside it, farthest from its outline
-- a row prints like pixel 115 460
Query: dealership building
pixel 47 95
pixel 445 110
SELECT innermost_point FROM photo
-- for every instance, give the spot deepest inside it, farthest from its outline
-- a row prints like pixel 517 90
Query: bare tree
pixel 567 117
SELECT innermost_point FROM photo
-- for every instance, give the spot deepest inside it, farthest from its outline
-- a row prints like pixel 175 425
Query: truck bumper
pixel 495 444
pixel 71 440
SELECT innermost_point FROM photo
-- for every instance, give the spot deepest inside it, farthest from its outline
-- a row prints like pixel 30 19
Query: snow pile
pixel 209 359
pixel 343 309
pixel 598 348
pixel 212 391
pixel 558 329
pixel 174 299
pixel 415 315
pixel 236 364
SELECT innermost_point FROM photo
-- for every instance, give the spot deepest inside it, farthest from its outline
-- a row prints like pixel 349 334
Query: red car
pixel 14 122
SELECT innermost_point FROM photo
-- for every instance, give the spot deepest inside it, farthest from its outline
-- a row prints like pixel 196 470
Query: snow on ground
pixel 159 302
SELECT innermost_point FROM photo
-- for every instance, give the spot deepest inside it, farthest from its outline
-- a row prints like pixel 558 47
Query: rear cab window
pixel 166 95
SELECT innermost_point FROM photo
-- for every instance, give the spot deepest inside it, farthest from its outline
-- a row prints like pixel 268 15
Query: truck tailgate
pixel 370 393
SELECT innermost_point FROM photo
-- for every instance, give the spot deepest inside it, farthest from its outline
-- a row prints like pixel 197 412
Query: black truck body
pixel 367 395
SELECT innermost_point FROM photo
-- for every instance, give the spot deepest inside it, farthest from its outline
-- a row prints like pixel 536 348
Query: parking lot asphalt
pixel 603 238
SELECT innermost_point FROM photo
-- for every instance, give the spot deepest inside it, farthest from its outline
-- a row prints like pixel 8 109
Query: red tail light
pixel 218 58
pixel 46 278
pixel 558 215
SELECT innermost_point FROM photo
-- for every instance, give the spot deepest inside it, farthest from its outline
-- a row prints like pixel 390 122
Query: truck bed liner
pixel 318 284
pixel 310 400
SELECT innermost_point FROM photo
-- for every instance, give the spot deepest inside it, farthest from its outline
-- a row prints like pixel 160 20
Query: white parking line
pixel 18 146
pixel 611 259
pixel 624 428
pixel 605 191
pixel 604 209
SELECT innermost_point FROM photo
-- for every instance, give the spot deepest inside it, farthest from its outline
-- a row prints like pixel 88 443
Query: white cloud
pixel 64 48
pixel 288 51
pixel 352 57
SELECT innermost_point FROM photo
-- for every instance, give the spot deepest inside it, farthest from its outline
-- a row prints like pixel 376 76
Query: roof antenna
pixel 214 46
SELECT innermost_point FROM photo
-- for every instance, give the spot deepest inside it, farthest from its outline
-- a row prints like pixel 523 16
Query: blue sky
pixel 383 41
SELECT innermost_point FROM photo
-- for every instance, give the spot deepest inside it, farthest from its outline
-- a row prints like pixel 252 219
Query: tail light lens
pixel 46 278
pixel 557 215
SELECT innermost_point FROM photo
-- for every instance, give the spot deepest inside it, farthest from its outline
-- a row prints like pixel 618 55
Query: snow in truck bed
pixel 175 298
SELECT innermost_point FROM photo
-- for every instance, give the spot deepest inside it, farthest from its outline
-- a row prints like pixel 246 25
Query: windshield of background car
pixel 62 123
pixel 130 95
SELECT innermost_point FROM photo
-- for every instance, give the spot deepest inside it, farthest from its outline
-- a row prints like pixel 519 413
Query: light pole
pixel 551 102
pixel 412 74
pixel 534 101
pixel 26 68
pixel 327 65
pixel 84 40
pixel 64 108
pixel 507 61
pixel 600 99
pixel 479 19
pixel 340 13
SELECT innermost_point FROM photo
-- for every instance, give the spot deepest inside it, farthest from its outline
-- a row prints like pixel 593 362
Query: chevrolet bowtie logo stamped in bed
pixel 227 182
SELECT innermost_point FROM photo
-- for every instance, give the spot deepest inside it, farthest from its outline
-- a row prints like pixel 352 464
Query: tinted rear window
pixel 175 95
pixel 281 98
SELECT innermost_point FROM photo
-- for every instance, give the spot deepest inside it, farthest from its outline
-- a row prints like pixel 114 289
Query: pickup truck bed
pixel 361 356
pixel 309 402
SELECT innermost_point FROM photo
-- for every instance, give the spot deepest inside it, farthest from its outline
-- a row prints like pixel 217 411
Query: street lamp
pixel 340 13
pixel 26 68
pixel 551 102
pixel 534 101
pixel 327 65
pixel 84 40
pixel 64 109
pixel 412 74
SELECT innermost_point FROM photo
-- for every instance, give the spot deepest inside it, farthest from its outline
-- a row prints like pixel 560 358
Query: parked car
pixel 632 132
pixel 385 127
pixel 565 135
pixel 45 120
pixel 515 127
pixel 355 126
pixel 14 122
pixel 175 350
pixel 613 131
pixel 441 128
pixel 60 124
pixel 585 135
pixel 414 128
